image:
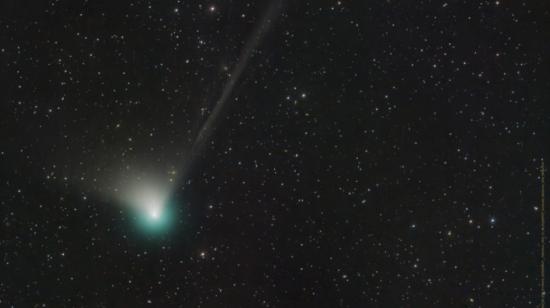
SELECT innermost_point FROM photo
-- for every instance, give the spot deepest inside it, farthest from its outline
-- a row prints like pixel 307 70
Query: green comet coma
pixel 155 219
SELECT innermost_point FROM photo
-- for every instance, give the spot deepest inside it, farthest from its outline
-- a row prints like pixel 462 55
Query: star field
pixel 272 153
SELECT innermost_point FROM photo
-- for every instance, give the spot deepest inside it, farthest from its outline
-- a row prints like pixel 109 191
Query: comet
pixel 149 197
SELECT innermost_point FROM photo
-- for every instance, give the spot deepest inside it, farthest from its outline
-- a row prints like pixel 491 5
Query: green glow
pixel 157 218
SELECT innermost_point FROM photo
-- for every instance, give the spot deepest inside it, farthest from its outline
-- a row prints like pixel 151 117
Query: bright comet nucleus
pixel 153 208
pixel 150 204
pixel 154 213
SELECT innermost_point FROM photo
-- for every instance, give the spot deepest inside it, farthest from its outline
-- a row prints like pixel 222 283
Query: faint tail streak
pixel 206 130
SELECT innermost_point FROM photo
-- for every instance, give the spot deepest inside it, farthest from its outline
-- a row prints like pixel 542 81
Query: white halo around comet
pixel 150 202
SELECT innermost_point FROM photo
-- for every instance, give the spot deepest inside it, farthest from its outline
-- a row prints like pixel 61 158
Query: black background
pixel 373 153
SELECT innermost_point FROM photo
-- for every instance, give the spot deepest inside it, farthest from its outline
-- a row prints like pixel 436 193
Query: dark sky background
pixel 372 153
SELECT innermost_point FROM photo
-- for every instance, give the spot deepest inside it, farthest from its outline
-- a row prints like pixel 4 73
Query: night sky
pixel 275 153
